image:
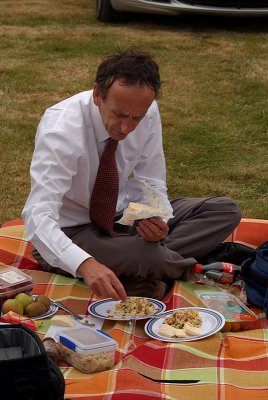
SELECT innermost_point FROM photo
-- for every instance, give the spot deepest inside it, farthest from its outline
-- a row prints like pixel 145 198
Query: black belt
pixel 130 230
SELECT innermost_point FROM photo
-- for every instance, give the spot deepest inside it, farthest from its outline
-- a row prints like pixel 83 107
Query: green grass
pixel 214 102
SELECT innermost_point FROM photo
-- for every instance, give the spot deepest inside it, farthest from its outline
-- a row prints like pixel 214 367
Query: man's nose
pixel 128 125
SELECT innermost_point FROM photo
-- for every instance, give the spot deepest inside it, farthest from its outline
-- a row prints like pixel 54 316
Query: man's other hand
pixel 101 280
pixel 152 229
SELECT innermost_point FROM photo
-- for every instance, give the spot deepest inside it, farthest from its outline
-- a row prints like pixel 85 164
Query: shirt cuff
pixel 71 259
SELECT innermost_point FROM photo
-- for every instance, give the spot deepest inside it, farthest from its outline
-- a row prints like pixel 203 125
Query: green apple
pixel 24 299
pixel 12 305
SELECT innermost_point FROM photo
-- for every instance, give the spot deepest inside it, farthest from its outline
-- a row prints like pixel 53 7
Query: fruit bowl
pixel 44 313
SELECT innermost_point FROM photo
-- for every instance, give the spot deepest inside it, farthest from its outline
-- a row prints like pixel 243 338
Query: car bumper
pixel 174 7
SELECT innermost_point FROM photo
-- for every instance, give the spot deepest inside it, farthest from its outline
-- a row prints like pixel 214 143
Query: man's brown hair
pixel 132 66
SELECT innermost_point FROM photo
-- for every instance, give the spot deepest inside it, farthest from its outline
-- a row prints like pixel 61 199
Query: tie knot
pixel 112 144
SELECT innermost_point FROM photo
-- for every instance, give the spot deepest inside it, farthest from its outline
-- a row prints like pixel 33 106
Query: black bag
pixel 26 371
pixel 229 252
pixel 254 271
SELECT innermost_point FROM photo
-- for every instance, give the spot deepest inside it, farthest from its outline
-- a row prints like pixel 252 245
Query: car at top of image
pixel 119 10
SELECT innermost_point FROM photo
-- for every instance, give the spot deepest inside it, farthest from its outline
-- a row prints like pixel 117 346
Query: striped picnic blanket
pixel 224 366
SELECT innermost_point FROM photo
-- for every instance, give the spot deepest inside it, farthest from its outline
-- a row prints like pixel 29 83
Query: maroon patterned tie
pixel 105 192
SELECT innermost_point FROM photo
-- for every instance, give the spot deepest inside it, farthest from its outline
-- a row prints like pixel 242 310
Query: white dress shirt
pixel 69 142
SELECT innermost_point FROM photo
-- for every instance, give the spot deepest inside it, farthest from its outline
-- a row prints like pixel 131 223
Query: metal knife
pixel 82 320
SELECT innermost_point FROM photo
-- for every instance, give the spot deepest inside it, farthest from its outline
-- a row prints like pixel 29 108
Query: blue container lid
pixel 86 339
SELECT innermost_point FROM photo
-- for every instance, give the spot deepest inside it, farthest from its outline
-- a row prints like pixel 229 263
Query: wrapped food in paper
pixel 155 207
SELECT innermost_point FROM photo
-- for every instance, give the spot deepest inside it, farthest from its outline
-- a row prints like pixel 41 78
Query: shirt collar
pixel 101 133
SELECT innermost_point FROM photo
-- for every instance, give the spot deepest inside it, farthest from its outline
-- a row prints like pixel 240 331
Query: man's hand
pixel 101 280
pixel 152 229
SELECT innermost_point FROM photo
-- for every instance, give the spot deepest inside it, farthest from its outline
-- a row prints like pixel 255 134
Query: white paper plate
pixel 212 322
pixel 52 310
pixel 100 309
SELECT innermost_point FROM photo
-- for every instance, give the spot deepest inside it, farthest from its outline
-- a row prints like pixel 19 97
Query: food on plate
pixel 62 320
pixel 179 317
pixel 12 305
pixel 133 306
pixel 170 331
pixel 181 323
pixel 35 309
pixel 166 330
pixel 180 332
pixel 44 300
pixel 192 330
pixel 24 304
pixel 25 299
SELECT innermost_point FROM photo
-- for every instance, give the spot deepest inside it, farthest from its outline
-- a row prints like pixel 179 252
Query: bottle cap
pixel 198 268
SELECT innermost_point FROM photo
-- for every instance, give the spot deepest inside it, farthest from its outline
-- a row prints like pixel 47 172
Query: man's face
pixel 123 108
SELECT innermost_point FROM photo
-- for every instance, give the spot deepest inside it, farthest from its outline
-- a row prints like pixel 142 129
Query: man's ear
pixel 96 95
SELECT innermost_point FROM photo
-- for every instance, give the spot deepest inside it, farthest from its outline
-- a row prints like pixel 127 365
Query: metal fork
pixel 82 320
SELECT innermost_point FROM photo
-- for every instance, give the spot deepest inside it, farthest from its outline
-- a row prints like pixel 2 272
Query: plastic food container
pixel 92 350
pixel 237 316
pixel 12 282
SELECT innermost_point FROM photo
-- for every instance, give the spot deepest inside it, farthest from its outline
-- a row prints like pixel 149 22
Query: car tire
pixel 106 13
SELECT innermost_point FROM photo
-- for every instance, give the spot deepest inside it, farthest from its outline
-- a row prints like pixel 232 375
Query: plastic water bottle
pixel 220 277
pixel 219 266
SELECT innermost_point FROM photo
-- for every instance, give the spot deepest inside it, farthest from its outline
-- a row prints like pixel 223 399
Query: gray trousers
pixel 198 226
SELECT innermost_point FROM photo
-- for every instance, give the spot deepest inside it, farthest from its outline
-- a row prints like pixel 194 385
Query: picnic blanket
pixel 225 366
